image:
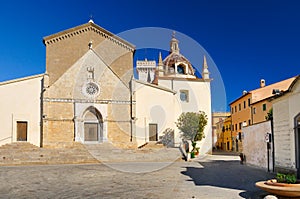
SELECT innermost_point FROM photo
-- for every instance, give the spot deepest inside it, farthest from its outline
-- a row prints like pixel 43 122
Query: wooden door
pixel 90 131
pixel 21 131
pixel 152 132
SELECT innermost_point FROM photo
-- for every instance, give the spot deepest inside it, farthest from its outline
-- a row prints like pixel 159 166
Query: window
pixel 249 102
pixel 244 104
pixel 240 125
pixel 234 108
pixel 254 110
pixel 239 107
pixel 249 122
pixel 231 110
pixel 180 69
pixel 264 107
pixel 184 95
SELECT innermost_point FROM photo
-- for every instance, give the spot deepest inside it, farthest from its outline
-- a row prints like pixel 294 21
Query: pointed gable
pixel 64 48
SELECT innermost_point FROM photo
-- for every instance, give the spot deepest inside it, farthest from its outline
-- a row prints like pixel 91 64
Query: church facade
pixel 88 94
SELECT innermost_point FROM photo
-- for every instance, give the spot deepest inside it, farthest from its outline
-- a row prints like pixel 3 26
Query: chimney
pixel 262 83
pixel 245 92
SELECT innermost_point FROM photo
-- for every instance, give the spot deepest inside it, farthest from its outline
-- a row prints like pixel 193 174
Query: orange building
pixel 253 106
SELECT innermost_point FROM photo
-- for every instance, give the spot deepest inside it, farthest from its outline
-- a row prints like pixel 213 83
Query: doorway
pixel 21 131
pixel 93 125
pixel 152 132
pixel 90 131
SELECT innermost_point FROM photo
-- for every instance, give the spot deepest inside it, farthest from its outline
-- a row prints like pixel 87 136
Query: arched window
pixel 180 69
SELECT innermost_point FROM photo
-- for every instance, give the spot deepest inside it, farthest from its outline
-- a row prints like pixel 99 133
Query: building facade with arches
pixel 88 94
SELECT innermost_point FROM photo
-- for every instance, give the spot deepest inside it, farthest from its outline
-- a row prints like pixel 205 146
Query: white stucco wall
pixel 153 105
pixel 20 101
pixel 199 100
pixel 254 145
pixel 285 109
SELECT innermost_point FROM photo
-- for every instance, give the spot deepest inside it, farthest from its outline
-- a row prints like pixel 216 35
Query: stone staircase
pixel 151 152
pixel 24 153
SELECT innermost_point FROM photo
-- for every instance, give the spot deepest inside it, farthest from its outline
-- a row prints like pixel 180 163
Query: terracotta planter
pixel 280 189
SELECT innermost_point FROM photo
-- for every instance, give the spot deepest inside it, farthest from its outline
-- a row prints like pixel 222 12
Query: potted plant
pixel 284 185
pixel 192 154
pixel 195 149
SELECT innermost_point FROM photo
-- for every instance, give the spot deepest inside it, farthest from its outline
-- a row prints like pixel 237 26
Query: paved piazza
pixel 213 176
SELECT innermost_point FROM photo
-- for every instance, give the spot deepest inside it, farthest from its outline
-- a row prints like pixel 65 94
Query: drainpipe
pixel 131 109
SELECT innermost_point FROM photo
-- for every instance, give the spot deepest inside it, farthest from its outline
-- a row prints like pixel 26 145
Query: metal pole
pixel 273 146
pixel 268 154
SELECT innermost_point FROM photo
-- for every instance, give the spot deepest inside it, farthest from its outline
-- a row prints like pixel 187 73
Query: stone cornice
pixel 184 79
pixel 90 26
pixel 68 100
pixel 155 86
pixel 21 79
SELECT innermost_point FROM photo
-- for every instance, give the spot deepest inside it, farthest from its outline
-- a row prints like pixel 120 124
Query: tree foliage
pixel 192 125
pixel 270 114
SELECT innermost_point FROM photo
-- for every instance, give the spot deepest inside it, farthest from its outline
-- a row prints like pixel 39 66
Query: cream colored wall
pixel 255 147
pixel 153 105
pixel 285 109
pixel 199 100
pixel 20 101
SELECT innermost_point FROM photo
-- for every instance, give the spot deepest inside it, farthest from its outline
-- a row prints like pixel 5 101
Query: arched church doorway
pixel 297 146
pixel 93 125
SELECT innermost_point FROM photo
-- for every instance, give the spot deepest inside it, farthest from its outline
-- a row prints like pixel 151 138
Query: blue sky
pixel 247 39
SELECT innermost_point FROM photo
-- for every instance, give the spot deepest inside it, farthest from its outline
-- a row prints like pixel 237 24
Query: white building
pixel 286 114
pixel 175 89
pixel 146 70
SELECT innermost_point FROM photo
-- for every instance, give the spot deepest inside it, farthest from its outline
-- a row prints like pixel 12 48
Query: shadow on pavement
pixel 229 175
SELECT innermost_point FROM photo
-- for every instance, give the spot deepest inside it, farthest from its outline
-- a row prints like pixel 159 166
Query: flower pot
pixel 280 189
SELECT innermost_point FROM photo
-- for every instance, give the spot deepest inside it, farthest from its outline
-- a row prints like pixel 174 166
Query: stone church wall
pixel 74 58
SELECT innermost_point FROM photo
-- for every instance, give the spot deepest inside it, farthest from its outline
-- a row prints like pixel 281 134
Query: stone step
pixel 25 153
pixel 108 153
pixel 19 145
pixel 152 145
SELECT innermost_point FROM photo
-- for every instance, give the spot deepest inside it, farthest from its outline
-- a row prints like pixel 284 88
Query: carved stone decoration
pixel 91 89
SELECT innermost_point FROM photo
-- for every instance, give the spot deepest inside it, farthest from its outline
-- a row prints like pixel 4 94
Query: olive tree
pixel 192 125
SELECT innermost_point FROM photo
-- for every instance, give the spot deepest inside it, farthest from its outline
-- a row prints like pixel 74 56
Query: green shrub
pixel 286 178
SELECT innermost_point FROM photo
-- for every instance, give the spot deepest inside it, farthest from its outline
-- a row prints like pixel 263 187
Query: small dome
pixel 178 59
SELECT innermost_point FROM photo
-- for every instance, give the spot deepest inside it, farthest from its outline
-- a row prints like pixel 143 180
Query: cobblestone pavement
pixel 211 176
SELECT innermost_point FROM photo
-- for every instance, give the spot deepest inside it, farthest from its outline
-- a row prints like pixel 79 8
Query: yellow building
pixel 253 107
pixel 216 118
pixel 224 134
